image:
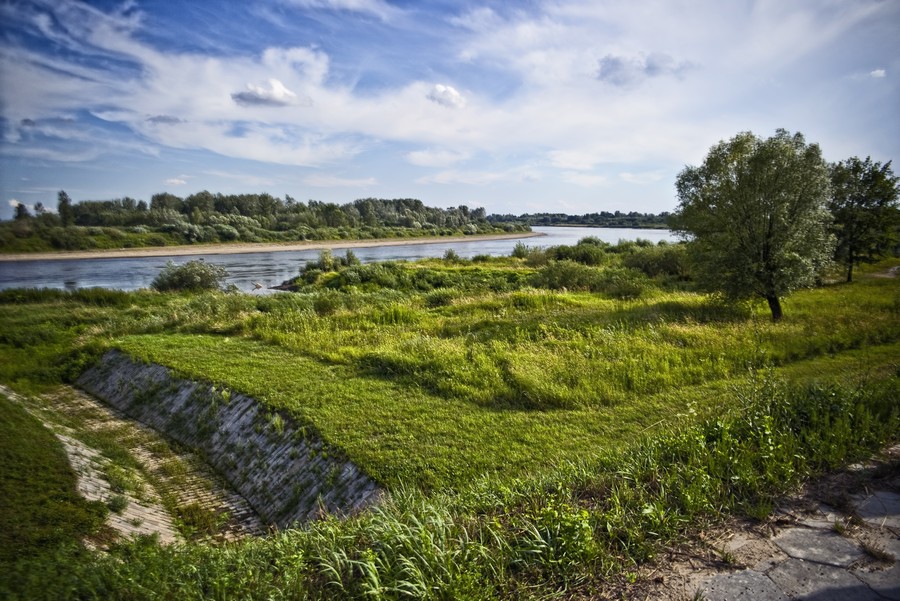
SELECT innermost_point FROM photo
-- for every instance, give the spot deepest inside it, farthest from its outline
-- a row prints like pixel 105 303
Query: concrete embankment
pixel 282 468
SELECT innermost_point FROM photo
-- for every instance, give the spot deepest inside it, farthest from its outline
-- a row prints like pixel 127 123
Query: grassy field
pixel 543 421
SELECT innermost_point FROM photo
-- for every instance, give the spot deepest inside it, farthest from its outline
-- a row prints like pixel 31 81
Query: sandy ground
pixel 246 247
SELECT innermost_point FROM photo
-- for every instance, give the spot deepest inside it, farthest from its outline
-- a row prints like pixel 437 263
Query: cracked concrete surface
pixel 831 555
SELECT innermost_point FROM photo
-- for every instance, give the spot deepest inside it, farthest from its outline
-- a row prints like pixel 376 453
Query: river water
pixel 272 268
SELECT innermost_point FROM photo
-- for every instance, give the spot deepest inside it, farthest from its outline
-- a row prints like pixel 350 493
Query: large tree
pixel 755 216
pixel 864 206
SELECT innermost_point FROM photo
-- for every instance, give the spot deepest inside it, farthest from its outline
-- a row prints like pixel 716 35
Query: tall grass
pixel 569 530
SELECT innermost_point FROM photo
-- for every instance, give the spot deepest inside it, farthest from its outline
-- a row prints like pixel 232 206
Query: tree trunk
pixel 850 272
pixel 775 307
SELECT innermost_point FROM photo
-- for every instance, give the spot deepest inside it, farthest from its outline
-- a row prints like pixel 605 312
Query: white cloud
pixel 177 181
pixel 446 96
pixel 648 177
pixel 435 158
pixel 587 180
pixel 274 95
pixel 378 8
pixel 878 73
pixel 573 159
pixel 247 179
pixel 481 178
pixel 333 181
pixel 628 70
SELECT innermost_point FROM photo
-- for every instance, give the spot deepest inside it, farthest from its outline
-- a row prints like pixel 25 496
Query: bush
pixel 193 276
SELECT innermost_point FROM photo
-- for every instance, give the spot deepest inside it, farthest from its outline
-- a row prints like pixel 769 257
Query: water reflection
pixel 272 268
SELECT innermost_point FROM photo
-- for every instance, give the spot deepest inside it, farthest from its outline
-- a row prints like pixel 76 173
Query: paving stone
pixel 881 508
pixel 819 582
pixel 883 580
pixel 822 546
pixel 747 584
pixel 824 517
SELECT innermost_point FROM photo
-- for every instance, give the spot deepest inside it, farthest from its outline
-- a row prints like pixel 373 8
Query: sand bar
pixel 238 248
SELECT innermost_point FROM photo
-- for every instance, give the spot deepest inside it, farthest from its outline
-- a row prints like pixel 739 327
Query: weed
pixel 117 503
pixel 878 553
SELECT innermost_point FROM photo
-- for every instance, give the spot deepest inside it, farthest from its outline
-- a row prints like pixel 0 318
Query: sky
pixel 569 106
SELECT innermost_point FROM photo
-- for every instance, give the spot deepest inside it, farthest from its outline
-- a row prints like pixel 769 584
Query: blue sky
pixel 558 105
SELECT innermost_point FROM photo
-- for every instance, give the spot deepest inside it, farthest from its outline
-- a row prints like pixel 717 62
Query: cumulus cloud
pixel 446 96
pixel 274 95
pixel 628 70
pixel 177 181
pixel 878 73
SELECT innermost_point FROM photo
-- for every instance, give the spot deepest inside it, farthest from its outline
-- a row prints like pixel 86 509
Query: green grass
pixel 40 507
pixel 534 441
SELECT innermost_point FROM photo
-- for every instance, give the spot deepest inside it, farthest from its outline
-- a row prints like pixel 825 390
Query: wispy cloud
pixel 878 73
pixel 378 8
pixel 629 70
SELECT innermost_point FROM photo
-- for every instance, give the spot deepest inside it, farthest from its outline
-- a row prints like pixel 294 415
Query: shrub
pixel 520 251
pixel 451 256
pixel 192 276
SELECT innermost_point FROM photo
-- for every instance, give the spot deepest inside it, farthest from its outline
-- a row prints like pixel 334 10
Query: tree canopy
pixel 755 216
pixel 864 206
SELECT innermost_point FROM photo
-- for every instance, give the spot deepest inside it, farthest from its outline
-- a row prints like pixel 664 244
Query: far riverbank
pixel 239 248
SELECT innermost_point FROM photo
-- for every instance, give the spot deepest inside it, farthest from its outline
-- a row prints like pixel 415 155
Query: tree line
pixel 207 217
pixel 632 219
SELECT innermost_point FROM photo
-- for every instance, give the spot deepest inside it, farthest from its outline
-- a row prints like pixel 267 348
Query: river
pixel 272 268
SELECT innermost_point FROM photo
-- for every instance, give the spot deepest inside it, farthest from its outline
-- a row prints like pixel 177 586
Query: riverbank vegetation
pixel 543 422
pixel 631 219
pixel 205 218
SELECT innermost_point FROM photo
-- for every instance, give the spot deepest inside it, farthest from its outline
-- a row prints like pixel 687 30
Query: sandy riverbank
pixel 248 247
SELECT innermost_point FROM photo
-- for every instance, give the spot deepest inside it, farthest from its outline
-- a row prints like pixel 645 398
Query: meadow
pixel 543 422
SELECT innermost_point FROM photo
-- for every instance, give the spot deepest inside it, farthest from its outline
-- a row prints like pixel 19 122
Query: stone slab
pixel 884 581
pixel 881 509
pixel 816 581
pixel 737 586
pixel 818 545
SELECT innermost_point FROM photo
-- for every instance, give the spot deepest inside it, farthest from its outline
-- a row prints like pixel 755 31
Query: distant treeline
pixel 205 218
pixel 601 219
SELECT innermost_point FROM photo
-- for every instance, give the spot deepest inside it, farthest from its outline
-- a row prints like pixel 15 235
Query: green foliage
pixel 864 206
pixel 205 218
pixel 192 276
pixel 531 439
pixel 755 214
pixel 570 528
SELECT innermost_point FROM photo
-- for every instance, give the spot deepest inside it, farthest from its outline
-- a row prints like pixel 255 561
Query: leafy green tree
pixel 864 206
pixel 64 208
pixel 755 216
